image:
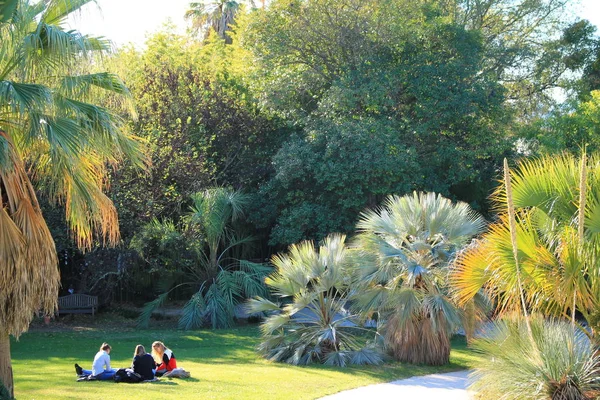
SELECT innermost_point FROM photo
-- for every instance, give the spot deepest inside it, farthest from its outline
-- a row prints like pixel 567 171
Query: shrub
pixel 555 362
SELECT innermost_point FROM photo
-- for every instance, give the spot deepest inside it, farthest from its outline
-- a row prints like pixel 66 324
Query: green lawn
pixel 223 366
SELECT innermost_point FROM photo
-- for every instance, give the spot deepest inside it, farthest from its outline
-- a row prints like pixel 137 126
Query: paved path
pixel 450 386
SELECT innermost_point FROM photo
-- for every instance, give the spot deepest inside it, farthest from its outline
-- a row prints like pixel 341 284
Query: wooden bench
pixel 77 304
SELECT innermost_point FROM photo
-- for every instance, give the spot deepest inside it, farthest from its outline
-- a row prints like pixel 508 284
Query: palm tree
pixel 217 15
pixel 50 130
pixel 557 207
pixel 553 271
pixel 312 324
pixel 406 247
pixel 221 281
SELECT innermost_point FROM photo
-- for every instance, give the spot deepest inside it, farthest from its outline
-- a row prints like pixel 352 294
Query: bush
pixel 312 325
pixel 555 362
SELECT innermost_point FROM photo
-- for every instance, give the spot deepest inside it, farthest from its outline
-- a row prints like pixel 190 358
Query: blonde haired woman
pixel 164 357
pixel 143 363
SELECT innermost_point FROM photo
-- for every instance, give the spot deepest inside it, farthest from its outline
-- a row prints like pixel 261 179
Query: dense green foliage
pixel 387 105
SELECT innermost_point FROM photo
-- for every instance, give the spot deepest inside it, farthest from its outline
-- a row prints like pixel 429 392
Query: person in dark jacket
pixel 143 363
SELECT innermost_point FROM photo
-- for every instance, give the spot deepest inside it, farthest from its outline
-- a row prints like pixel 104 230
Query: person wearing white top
pixel 101 369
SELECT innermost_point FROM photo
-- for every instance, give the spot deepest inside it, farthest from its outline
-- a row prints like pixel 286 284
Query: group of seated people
pixel 160 362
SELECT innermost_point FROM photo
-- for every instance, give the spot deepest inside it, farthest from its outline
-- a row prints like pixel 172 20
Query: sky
pixel 129 21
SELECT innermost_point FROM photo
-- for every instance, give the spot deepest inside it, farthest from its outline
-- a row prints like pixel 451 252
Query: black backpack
pixel 126 375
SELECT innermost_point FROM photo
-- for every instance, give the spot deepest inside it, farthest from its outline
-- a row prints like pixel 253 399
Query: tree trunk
pixel 6 374
pixel 417 342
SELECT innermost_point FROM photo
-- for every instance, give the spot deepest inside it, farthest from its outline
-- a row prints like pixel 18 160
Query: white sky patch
pixel 130 21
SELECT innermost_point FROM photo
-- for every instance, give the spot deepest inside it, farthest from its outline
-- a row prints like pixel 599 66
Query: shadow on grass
pixel 233 347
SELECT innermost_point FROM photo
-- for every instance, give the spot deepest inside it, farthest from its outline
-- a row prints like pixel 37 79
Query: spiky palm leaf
pixel 212 212
pixel 149 308
pixel 405 248
pixel 194 312
pixel 312 323
pixel 553 362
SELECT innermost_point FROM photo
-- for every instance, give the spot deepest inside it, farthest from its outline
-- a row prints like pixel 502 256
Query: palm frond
pixel 24 96
pixel 7 8
pixel 259 304
pixel 337 358
pixel 194 312
pixel 58 10
pixel 78 85
pixel 366 356
pixel 30 273
pixel 229 287
pixel 250 284
pixel 144 318
pixel 219 308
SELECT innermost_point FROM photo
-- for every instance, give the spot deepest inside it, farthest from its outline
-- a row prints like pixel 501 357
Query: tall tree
pixel 389 97
pixel 49 130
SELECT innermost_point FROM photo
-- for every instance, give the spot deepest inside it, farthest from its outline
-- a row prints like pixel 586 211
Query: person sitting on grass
pixel 101 369
pixel 143 363
pixel 164 357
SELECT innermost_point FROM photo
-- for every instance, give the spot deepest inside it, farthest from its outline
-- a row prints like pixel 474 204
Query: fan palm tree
pixel 50 130
pixel 222 282
pixel 312 323
pixel 217 15
pixel 557 207
pixel 406 247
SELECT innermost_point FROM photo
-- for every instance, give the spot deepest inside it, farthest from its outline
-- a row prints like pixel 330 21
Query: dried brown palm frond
pixel 29 279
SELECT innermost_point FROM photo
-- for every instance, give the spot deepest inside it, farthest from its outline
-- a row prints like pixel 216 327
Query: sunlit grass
pixel 223 365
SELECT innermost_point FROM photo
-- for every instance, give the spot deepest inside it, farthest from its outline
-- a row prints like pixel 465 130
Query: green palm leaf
pixel 149 308
pixel 7 8
pixel 58 10
pixel 194 312
pixel 23 97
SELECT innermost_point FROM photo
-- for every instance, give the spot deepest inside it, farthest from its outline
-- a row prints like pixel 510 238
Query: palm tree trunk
pixel 418 342
pixel 214 265
pixel 6 374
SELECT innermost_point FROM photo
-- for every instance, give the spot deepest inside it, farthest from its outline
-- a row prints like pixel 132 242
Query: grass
pixel 223 365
